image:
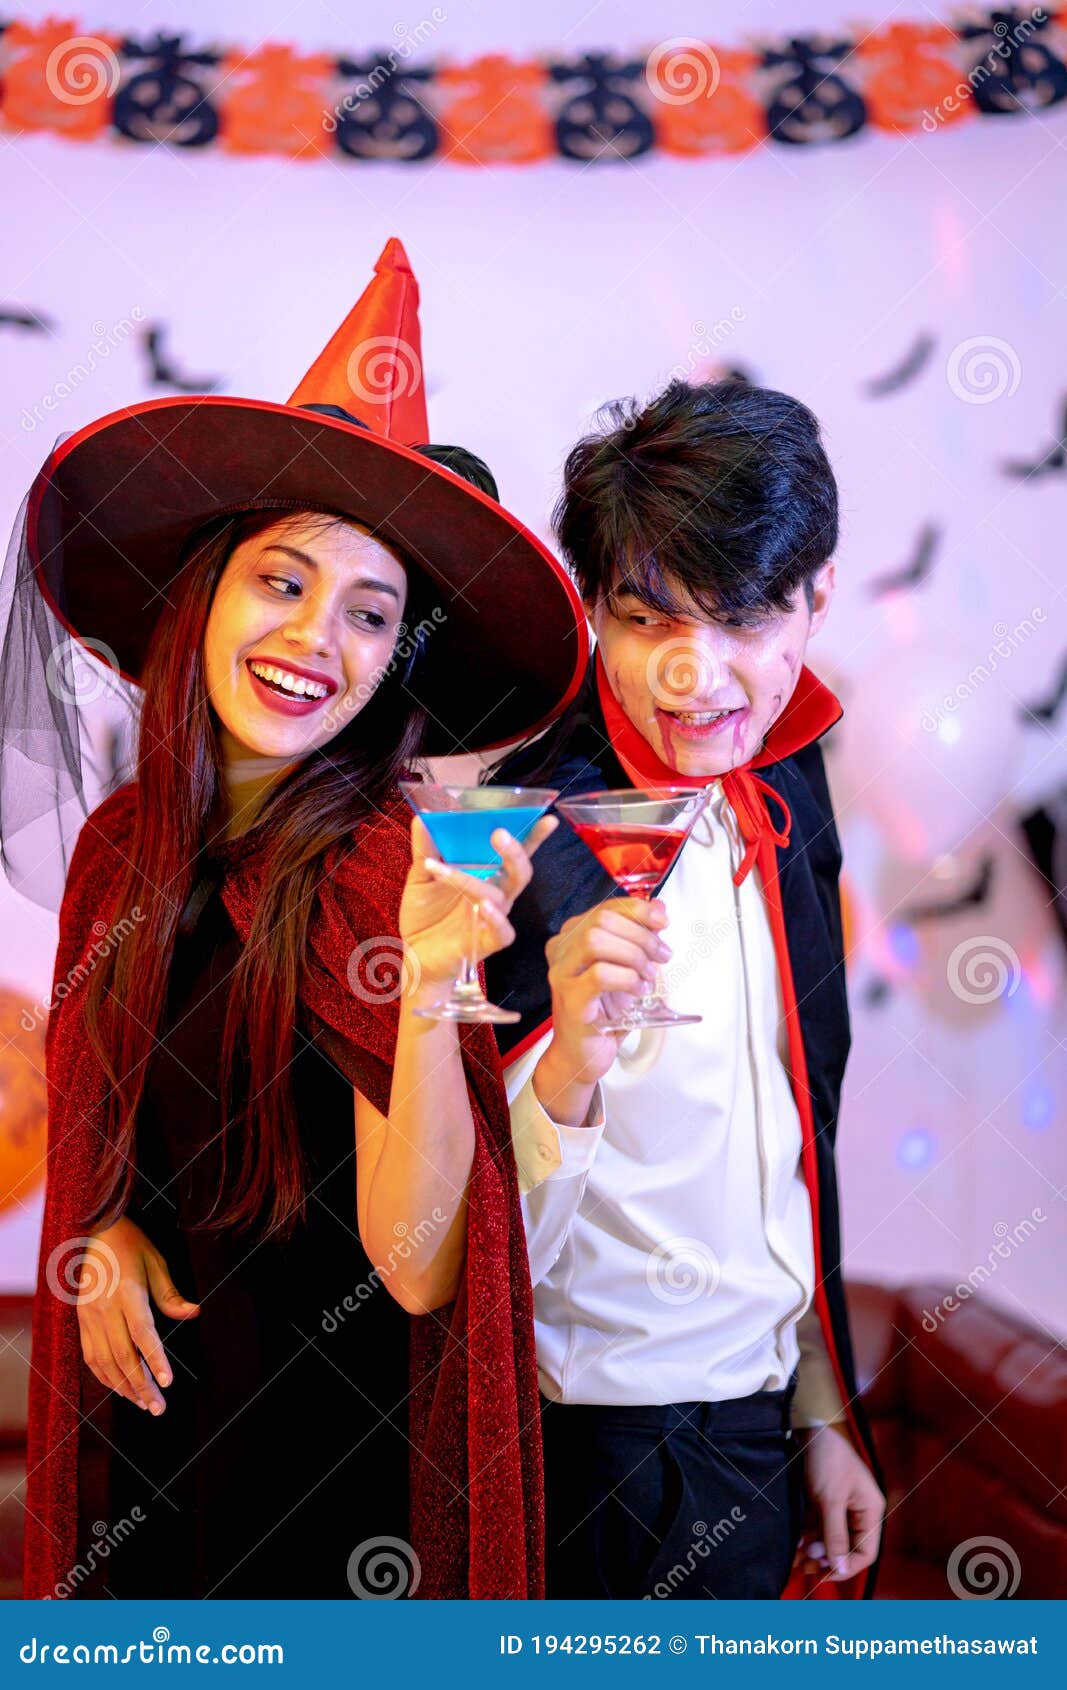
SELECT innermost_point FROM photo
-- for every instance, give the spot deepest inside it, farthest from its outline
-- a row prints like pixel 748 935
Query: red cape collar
pixel 810 712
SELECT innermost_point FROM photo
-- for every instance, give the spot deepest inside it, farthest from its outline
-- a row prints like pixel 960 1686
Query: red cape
pixel 476 1477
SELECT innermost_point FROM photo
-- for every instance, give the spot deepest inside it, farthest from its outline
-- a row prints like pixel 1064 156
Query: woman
pixel 281 1217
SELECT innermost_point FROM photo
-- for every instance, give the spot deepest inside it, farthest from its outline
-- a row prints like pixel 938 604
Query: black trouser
pixel 692 1499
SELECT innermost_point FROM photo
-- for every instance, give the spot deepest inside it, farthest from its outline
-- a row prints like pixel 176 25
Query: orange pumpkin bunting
pixel 57 79
pixel 497 117
pixel 911 83
pixel 274 101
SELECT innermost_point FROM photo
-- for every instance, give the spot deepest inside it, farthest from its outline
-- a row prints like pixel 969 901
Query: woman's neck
pixel 247 782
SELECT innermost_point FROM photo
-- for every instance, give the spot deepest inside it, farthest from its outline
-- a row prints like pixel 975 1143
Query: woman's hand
pixel 435 922
pixel 121 1268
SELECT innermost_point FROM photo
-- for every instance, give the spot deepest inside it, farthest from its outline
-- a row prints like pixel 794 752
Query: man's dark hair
pixel 722 490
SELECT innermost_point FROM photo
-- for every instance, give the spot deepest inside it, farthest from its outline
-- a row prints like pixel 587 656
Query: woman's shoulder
pixel 372 860
pixel 105 834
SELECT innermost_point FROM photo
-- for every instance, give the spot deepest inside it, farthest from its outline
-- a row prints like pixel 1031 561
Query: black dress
pixel 281 1461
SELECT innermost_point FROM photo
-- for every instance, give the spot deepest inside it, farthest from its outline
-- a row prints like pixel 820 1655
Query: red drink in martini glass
pixel 636 836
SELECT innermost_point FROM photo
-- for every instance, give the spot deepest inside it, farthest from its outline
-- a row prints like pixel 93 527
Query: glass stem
pixel 468 985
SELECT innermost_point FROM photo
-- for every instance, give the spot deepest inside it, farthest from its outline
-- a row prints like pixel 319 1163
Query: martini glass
pixel 636 836
pixel 460 821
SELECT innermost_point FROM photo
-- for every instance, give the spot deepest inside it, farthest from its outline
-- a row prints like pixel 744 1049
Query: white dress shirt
pixel 670 1237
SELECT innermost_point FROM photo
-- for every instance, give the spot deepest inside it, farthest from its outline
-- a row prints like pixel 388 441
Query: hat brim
pixel 111 509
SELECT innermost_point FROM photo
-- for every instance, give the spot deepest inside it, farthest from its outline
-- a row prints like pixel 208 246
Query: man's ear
pixel 823 583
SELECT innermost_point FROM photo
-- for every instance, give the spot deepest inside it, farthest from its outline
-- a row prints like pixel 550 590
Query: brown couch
pixel 970 1420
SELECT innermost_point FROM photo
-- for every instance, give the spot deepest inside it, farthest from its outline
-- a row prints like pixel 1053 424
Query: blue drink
pixel 462 836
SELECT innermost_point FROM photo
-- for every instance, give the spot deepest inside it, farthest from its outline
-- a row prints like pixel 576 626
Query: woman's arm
pixel 413 1166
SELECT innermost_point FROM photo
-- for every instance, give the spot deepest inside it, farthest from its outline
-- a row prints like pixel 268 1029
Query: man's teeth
pixel 296 684
pixel 694 719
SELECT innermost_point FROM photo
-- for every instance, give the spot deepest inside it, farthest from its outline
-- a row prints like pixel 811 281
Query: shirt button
pixel 545 1153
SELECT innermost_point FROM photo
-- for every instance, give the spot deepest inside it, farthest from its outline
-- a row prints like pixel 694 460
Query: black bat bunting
pixel 1050 461
pixel 913 573
pixel 15 317
pixel 901 374
pixel 164 373
pixel 1045 710
pixel 877 991
pixel 975 895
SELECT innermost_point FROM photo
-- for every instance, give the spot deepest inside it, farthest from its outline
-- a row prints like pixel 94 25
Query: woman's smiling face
pixel 301 629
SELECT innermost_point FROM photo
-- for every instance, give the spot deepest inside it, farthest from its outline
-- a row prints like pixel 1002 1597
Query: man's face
pixel 674 675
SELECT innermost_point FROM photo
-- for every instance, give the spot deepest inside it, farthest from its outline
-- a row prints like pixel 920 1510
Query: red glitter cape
pixel 477 1491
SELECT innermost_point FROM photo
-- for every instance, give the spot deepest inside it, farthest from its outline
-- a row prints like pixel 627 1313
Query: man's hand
pixel 850 1504
pixel 121 1270
pixel 595 962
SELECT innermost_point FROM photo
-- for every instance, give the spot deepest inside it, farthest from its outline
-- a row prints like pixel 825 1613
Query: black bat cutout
pixel 1045 710
pixel 16 317
pixel 164 373
pixel 1051 460
pixel 975 895
pixel 913 573
pixel 909 367
pixel 878 990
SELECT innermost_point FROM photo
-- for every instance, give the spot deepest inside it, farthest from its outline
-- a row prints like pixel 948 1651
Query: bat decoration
pixel 1052 459
pixel 166 374
pixel 1045 710
pixel 877 991
pixel 16 317
pixel 1046 834
pixel 973 898
pixel 913 573
pixel 878 387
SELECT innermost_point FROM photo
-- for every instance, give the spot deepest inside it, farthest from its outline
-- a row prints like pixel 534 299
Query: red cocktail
pixel 637 836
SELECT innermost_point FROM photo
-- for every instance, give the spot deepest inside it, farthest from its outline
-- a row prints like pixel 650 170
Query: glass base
pixel 471 1012
pixel 469 1004
pixel 652 1015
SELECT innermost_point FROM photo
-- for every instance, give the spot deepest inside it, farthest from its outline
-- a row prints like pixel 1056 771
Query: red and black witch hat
pixel 112 508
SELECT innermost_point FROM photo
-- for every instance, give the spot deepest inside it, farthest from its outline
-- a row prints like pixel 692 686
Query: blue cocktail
pixel 461 821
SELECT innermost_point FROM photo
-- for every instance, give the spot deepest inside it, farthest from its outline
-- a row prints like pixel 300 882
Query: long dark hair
pixel 314 806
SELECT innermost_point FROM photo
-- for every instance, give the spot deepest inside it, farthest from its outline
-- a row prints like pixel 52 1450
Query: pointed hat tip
pixel 393 257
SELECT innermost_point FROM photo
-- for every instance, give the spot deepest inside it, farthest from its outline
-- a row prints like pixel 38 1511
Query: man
pixel 679 1191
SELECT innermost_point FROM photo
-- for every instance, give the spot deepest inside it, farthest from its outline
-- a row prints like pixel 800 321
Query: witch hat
pixel 112 508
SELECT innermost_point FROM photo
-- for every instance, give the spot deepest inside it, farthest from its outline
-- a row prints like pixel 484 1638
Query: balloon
pixel 927 747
